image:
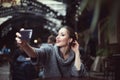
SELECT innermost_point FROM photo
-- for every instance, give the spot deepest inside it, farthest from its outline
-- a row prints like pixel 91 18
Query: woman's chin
pixel 57 45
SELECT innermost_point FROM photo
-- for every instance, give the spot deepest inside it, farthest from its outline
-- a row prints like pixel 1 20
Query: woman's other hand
pixel 20 42
pixel 75 47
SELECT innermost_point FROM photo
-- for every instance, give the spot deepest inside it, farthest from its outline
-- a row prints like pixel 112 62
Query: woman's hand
pixel 25 46
pixel 20 42
pixel 75 48
pixel 78 62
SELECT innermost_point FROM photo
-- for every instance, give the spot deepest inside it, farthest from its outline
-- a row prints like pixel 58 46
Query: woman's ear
pixel 70 40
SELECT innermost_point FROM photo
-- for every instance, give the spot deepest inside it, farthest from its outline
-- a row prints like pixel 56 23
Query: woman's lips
pixel 57 41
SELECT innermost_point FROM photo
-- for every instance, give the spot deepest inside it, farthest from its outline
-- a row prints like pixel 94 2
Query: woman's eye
pixel 62 35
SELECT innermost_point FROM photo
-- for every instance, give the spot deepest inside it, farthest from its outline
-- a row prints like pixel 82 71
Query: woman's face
pixel 62 38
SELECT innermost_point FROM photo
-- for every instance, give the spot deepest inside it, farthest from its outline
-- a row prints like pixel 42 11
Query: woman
pixel 60 60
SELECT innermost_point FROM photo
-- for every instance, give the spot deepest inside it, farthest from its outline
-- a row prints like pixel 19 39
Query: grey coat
pixel 54 65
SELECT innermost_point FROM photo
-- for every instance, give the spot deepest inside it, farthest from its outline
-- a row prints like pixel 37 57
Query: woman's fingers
pixel 18 34
pixel 76 42
pixel 18 40
pixel 22 29
pixel 18 37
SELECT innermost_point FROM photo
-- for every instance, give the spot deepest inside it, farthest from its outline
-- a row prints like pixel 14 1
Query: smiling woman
pixel 60 60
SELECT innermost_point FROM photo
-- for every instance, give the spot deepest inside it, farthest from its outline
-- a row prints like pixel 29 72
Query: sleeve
pixel 82 72
pixel 43 54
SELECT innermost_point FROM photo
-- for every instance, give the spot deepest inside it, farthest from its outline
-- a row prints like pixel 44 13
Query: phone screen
pixel 26 34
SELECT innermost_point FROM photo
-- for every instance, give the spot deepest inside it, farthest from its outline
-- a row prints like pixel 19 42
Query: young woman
pixel 60 60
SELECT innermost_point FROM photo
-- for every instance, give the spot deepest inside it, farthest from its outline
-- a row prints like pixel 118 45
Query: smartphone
pixel 26 34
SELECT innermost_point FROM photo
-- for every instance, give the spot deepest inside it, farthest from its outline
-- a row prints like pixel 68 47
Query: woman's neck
pixel 64 51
